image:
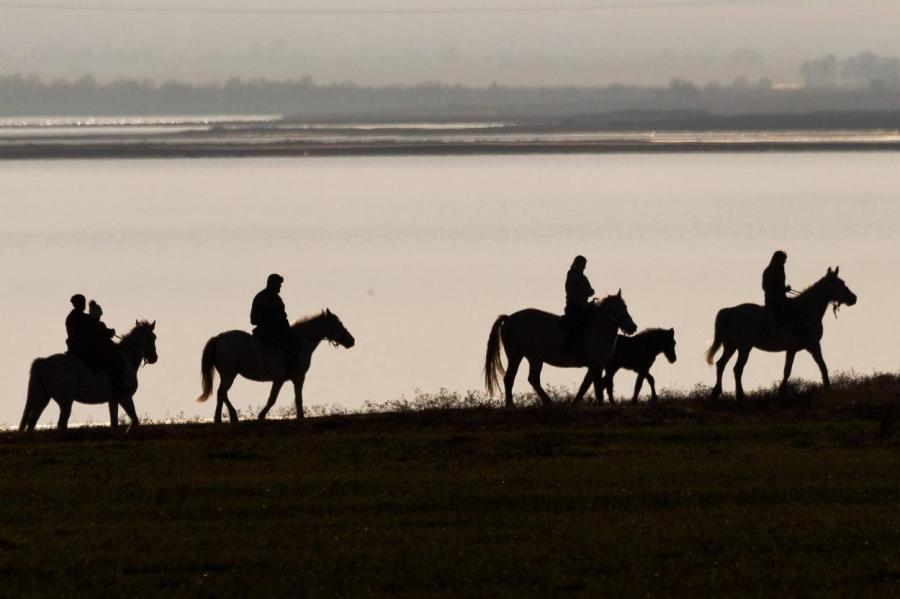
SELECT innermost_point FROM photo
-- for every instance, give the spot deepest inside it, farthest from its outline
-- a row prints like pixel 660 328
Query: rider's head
pixel 779 257
pixel 579 263
pixel 78 302
pixel 95 310
pixel 274 282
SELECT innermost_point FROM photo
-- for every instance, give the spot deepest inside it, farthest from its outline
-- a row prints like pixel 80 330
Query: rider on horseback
pixel 774 287
pixel 578 295
pixel 90 340
pixel 270 320
pixel 77 327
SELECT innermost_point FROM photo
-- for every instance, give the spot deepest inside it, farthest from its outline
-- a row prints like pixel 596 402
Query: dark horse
pixel 742 328
pixel 66 379
pixel 539 337
pixel 638 354
pixel 234 353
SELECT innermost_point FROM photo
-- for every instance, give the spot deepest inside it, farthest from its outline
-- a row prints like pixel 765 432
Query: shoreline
pixel 55 151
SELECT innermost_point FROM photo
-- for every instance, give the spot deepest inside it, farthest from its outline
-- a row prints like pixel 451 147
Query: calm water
pixel 419 255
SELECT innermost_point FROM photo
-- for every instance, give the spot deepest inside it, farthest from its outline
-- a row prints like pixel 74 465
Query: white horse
pixel 66 379
pixel 234 353
pixel 742 328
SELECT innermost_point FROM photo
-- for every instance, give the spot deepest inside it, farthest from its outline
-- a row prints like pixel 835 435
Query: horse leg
pixel 721 363
pixel 128 405
pixel 512 368
pixel 298 395
pixel 226 380
pixel 65 410
pixel 534 377
pixel 788 365
pixel 610 374
pixel 652 381
pixel 273 395
pixel 583 389
pixel 113 415
pixel 596 375
pixel 743 354
pixel 638 383
pixel 36 410
pixel 816 352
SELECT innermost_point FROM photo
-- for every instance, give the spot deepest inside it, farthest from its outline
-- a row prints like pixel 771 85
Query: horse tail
pixel 717 337
pixel 36 391
pixel 493 366
pixel 207 362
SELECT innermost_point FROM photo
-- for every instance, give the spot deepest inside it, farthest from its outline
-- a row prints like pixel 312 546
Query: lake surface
pixel 418 255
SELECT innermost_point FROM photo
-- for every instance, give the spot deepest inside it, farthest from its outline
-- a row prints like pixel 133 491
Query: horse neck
pixel 646 344
pixel 130 348
pixel 313 330
pixel 814 300
pixel 604 324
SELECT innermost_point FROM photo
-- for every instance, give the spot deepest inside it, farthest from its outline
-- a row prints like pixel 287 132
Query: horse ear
pixel 328 311
pixel 153 326
pixel 137 323
pixel 829 270
pixel 619 295
pixel 836 270
pixel 672 330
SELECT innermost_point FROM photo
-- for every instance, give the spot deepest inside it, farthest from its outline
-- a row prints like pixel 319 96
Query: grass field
pixel 795 496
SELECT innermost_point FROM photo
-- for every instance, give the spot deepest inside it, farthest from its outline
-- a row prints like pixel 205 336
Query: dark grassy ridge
pixel 795 496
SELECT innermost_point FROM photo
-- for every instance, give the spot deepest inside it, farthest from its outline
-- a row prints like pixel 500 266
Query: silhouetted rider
pixel 78 328
pixel 104 353
pixel 578 295
pixel 775 287
pixel 269 318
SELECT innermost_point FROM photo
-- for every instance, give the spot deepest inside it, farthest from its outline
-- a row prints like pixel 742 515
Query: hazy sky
pixel 696 39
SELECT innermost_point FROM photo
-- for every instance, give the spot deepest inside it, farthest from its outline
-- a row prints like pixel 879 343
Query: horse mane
pixel 652 331
pixel 310 318
pixel 130 334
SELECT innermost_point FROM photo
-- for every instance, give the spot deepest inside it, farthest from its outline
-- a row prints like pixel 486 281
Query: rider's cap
pixel 274 279
pixel 780 255
pixel 579 260
pixel 77 300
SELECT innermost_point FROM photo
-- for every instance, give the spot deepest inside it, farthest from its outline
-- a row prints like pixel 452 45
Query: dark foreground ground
pixel 786 497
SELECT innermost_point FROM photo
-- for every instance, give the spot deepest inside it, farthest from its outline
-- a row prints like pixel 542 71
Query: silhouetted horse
pixel 636 353
pixel 66 379
pixel 539 337
pixel 234 353
pixel 747 326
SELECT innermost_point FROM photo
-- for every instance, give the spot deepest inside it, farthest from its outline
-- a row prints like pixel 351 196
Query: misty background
pixel 472 43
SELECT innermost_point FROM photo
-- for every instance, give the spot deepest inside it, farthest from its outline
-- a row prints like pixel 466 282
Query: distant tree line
pixel 865 70
pixel 865 82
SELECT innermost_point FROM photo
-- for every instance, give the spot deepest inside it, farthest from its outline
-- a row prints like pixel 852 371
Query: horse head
pixel 336 332
pixel 669 346
pixel 617 312
pixel 144 339
pixel 838 291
